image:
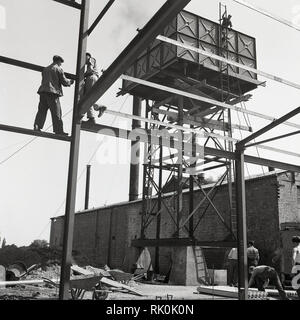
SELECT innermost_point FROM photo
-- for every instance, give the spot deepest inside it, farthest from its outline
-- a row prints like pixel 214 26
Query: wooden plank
pixel 230 292
pixel 81 271
pixel 121 286
pixel 22 282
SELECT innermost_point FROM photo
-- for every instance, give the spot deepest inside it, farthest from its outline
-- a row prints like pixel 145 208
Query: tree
pixel 39 244
pixel 3 243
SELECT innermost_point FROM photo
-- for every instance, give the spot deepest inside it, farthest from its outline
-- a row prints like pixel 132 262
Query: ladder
pixel 225 87
pixel 201 267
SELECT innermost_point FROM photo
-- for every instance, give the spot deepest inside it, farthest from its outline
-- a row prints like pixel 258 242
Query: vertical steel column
pixel 73 158
pixel 135 153
pixel 180 168
pixel 159 208
pixel 242 225
pixel 191 187
pixel 145 178
pixel 230 180
pixel 87 186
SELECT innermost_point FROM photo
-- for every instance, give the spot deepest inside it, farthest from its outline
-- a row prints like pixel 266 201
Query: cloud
pixel 2 18
pixel 133 15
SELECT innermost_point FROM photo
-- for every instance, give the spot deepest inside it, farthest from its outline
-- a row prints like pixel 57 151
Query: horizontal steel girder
pixel 29 66
pixel 34 133
pixel 183 242
pixel 69 3
pixel 129 135
pixel 145 36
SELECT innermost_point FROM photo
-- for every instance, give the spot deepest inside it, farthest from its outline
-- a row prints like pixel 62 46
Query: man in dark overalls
pixel 91 77
pixel 53 78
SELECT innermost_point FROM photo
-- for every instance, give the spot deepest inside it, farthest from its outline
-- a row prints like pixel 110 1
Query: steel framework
pixel 83 103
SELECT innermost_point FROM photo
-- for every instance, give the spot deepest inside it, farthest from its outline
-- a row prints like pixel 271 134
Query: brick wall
pixel 104 235
pixel 288 204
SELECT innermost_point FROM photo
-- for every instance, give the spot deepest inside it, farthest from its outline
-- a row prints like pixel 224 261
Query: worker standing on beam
pixel 91 77
pixel 53 78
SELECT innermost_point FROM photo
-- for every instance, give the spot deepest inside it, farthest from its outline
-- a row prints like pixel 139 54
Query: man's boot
pixel 91 121
pixel 36 128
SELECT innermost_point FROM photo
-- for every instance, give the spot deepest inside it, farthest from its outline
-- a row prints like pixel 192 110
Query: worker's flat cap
pixel 296 239
pixel 58 58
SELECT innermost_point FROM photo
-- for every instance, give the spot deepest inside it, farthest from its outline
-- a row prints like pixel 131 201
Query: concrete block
pixel 187 269
pixel 219 277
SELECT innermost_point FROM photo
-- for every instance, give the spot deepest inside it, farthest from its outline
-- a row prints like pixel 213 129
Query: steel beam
pixel 222 154
pixel 73 159
pixel 70 3
pixel 274 139
pixel 267 128
pixel 34 133
pixel 159 208
pixel 182 242
pixel 101 15
pixel 87 187
pixel 29 66
pixel 135 153
pixel 217 104
pixel 242 226
pixel 148 34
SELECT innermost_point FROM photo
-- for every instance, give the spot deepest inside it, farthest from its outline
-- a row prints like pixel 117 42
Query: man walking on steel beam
pixel 91 77
pixel 53 78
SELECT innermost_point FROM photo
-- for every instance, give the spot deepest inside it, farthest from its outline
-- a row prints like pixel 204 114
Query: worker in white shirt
pixel 233 267
pixel 296 251
pixel 296 259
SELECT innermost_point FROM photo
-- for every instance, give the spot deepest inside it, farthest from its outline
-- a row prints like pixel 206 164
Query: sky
pixel 33 182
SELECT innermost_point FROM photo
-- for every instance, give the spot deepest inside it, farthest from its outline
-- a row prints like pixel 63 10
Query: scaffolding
pixel 225 156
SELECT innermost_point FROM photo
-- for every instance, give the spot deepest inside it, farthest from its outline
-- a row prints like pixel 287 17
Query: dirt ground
pixel 155 291
pixel 151 292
